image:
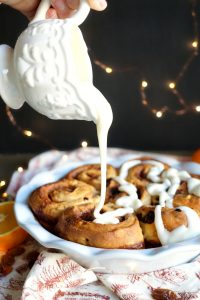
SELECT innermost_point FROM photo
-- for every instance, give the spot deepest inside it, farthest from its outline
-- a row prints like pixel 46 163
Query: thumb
pixel 97 4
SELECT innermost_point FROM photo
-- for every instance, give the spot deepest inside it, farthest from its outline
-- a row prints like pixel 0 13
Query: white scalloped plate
pixel 110 261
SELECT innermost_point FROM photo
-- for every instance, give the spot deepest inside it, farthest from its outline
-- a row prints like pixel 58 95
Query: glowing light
pixel 2 183
pixel 20 169
pixel 65 157
pixel 5 195
pixel 172 85
pixel 103 66
pixel 197 108
pixel 184 107
pixel 27 133
pixel 144 102
pixel 108 70
pixel 144 84
pixel 84 144
pixel 195 44
pixel 159 114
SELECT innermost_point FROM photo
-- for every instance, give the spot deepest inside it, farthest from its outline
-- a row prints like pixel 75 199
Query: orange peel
pixel 11 234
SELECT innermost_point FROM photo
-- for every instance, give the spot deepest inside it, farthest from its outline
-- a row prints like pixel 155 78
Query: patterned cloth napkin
pixel 56 276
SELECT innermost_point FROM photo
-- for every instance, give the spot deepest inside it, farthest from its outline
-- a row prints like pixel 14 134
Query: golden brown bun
pixel 66 208
pixel 113 193
pixel 138 175
pixel 50 200
pixel 75 224
pixel 91 174
pixel 183 198
pixel 172 218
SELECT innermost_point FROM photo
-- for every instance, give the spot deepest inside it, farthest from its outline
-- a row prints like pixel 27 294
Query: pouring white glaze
pixel 128 203
pixel 50 69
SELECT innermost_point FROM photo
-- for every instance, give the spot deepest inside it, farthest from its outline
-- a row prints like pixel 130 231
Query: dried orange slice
pixel 196 156
pixel 11 234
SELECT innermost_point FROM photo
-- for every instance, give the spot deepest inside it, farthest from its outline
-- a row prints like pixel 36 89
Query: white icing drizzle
pixel 164 184
pixel 126 166
pixel 194 186
pixel 165 199
pixel 155 189
pixel 155 171
pixel 170 180
pixel 182 232
pixel 103 123
pixel 129 202
pixel 111 217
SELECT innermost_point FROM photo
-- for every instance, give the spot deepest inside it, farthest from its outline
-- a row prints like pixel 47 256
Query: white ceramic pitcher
pixel 50 69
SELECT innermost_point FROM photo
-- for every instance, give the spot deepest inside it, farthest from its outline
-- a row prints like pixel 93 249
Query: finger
pixel 94 4
pixel 51 14
pixel 97 4
pixel 73 4
pixel 66 8
pixel 62 9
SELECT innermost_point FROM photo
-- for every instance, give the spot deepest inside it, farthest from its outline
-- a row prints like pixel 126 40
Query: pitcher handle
pixel 77 18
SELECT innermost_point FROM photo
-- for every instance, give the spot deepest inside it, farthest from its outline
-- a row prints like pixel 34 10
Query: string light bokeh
pixel 145 85
pixel 171 85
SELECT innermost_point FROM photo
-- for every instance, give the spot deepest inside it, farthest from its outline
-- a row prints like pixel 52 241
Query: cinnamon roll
pixel 138 174
pixel 145 201
pixel 172 219
pixel 50 200
pixel 113 193
pixel 76 224
pixel 91 174
pixel 184 198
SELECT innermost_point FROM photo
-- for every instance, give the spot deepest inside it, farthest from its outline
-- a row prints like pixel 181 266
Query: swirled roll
pixel 76 225
pixel 91 174
pixel 113 193
pixel 172 218
pixel 138 174
pixel 184 198
pixel 146 200
pixel 50 200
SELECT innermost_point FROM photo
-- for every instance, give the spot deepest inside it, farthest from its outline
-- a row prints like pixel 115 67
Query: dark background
pixel 136 38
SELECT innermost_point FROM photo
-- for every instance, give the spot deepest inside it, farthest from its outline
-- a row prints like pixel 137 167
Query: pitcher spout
pixel 8 87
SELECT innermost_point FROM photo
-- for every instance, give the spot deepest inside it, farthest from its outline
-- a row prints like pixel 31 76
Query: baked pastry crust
pixel 66 207
pixel 138 174
pixel 183 198
pixel 91 174
pixel 75 224
pixel 113 193
pixel 50 200
pixel 172 218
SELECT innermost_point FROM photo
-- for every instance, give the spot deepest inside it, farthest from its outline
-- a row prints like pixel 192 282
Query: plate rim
pixel 87 251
